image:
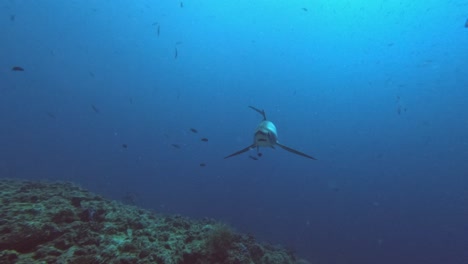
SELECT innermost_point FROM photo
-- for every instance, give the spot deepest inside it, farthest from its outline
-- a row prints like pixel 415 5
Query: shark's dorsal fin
pixel 262 112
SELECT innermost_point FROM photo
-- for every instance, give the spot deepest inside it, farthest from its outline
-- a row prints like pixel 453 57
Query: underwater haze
pixel 117 96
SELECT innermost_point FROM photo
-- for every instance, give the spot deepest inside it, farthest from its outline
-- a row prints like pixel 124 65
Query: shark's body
pixel 266 136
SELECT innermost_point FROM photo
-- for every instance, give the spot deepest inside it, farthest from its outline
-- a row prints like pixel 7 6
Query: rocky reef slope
pixel 61 223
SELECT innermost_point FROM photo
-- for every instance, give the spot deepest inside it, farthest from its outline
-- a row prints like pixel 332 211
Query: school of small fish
pixel 400 108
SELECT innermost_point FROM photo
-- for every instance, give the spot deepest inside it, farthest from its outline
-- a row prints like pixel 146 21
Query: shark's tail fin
pixel 262 112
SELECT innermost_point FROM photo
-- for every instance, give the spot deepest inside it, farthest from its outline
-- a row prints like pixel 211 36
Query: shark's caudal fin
pixel 295 151
pixel 262 112
pixel 240 151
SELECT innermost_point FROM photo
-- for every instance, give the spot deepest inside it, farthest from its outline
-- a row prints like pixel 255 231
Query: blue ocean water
pixel 377 91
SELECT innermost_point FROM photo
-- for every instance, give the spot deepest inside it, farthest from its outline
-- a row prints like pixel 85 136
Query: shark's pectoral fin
pixel 240 151
pixel 295 151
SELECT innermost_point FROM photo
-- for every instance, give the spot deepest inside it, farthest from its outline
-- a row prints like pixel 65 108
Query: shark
pixel 266 135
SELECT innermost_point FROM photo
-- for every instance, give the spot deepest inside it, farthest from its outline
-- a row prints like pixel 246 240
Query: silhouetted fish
pixel 466 23
pixel 304 9
pixel 12 18
pixel 49 114
pixel 130 198
pixel 204 139
pixel 176 53
pixel 202 164
pixel 175 146
pixel 193 130
pixel 124 146
pixel 158 31
pixel 253 157
pixel 95 109
pixel 181 4
pixel 17 68
pixel 178 94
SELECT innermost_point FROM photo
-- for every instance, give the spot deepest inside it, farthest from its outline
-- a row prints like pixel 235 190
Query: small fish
pixel 253 157
pixel 17 68
pixel 130 198
pixel 202 164
pixel 158 31
pixel 91 74
pixel 95 109
pixel 304 9
pixel 466 23
pixel 124 146
pixel 49 114
pixel 204 139
pixel 176 146
pixel 175 53
pixel 12 17
pixel 181 4
pixel 178 95
pixel 194 130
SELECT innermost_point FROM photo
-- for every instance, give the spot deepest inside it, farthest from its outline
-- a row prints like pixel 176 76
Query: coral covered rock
pixel 62 223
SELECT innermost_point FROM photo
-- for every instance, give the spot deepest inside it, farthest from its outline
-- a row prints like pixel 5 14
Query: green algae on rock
pixel 44 222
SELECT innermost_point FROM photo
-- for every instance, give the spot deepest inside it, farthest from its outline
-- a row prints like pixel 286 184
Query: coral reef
pixel 61 223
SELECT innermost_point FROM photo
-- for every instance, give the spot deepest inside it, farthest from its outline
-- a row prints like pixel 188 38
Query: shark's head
pixel 265 135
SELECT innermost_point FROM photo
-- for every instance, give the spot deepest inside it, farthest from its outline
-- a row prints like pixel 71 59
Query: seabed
pixel 43 222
